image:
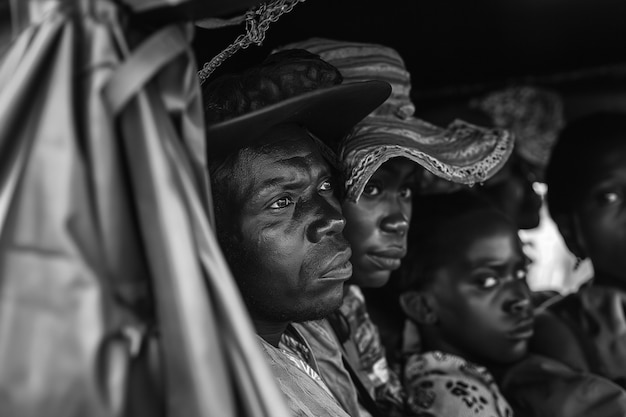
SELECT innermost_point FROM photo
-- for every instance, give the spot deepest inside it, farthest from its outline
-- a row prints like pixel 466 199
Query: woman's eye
pixel 406 192
pixel 371 190
pixel 326 185
pixel 488 282
pixel 281 203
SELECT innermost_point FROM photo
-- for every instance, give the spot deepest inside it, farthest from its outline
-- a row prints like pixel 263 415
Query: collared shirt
pixel 303 392
pixel 366 354
pixel 300 355
pixel 327 350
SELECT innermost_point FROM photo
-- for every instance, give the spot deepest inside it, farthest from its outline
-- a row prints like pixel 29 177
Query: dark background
pixel 459 48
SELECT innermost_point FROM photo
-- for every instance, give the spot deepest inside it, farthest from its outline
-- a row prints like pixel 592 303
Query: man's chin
pixel 318 312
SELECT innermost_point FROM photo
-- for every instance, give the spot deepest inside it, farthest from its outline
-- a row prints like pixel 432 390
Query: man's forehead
pixel 287 147
pixel 285 160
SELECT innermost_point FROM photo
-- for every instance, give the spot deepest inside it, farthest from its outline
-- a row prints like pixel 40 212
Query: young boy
pixel 469 299
pixel 472 320
pixel 586 180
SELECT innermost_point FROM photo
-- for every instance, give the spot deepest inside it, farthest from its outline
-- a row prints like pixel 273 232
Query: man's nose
pixel 329 221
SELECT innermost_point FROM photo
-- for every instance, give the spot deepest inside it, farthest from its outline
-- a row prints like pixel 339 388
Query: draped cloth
pixel 115 299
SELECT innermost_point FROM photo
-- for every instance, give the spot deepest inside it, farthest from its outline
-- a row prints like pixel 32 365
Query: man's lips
pixel 523 330
pixel 340 267
pixel 387 259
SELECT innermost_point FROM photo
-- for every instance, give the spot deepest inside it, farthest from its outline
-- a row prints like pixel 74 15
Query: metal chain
pixel 258 20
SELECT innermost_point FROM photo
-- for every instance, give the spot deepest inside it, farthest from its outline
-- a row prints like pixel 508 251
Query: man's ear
pixel 419 307
pixel 570 230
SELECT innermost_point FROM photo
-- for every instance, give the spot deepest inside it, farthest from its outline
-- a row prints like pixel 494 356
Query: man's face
pixel 377 225
pixel 602 213
pixel 294 259
pixel 483 302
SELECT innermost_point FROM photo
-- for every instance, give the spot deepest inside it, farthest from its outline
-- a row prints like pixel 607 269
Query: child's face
pixel 377 225
pixel 601 216
pixel 481 296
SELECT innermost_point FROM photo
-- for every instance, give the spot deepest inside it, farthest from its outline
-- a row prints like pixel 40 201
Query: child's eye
pixel 488 282
pixel 326 185
pixel 281 203
pixel 371 190
pixel 406 192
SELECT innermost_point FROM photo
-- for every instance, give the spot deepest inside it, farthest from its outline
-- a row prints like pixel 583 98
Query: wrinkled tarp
pixel 114 296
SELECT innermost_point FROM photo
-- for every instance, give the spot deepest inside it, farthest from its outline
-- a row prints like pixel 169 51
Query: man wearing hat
pixel 278 218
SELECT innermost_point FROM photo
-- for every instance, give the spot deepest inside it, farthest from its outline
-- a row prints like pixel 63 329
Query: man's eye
pixel 406 192
pixel 488 282
pixel 371 190
pixel 609 197
pixel 326 185
pixel 281 203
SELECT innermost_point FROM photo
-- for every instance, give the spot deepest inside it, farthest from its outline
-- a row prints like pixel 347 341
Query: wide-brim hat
pixel 328 113
pixel 461 152
pixel 294 87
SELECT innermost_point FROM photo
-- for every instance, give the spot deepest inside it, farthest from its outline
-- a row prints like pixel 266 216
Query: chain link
pixel 258 20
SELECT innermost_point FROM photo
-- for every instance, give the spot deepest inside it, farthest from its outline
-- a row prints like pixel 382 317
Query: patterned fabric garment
pixel 300 355
pixel 439 384
pixel 304 394
pixel 371 363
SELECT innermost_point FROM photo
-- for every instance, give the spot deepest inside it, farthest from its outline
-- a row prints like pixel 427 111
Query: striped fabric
pixel 300 355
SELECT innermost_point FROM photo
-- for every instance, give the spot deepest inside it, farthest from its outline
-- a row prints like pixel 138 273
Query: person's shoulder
pixel 444 365
pixel 539 385
pixel 445 384
pixel 589 301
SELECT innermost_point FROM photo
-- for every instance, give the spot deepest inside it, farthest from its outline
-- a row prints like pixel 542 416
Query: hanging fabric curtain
pixel 115 299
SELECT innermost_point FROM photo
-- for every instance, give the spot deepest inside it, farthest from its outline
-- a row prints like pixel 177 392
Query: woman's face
pixel 481 298
pixel 377 225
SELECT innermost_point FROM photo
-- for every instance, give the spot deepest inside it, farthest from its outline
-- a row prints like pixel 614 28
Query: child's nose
pixel 519 306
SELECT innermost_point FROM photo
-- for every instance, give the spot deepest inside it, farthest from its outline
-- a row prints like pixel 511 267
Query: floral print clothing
pixel 439 384
pixel 367 355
